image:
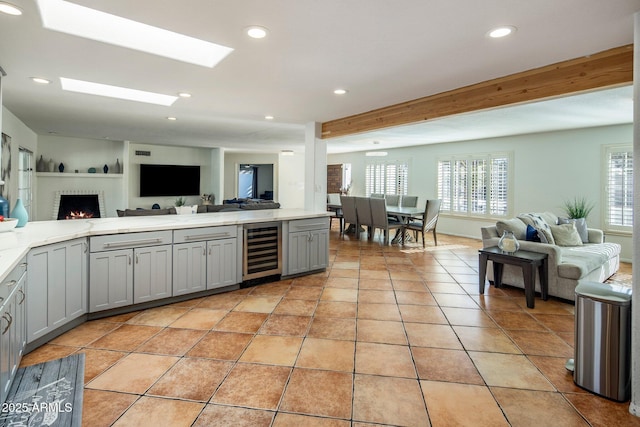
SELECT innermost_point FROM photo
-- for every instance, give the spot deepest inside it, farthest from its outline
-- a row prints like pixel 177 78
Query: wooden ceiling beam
pixel 613 67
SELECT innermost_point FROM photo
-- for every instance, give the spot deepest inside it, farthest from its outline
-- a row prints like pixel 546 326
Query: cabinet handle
pixel 209 250
pixel 204 251
pixel 310 237
pixel 137 259
pixel 23 296
pixel 10 283
pixel 129 259
pixel 131 243
pixel 9 322
pixel 24 265
pixel 85 246
pixel 206 236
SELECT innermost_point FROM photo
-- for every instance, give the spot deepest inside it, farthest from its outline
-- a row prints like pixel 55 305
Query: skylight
pixel 70 18
pixel 116 92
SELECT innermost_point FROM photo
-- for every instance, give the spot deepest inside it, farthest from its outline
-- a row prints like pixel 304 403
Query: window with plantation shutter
pixel 619 188
pixel 387 178
pixel 475 185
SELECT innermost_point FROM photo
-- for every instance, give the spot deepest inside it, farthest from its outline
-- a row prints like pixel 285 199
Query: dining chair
pixel 333 199
pixel 381 221
pixel 392 199
pixel 409 201
pixel 349 213
pixel 363 212
pixel 429 221
pixel 377 196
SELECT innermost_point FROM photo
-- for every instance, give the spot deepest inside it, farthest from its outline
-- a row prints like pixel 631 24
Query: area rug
pixel 46 394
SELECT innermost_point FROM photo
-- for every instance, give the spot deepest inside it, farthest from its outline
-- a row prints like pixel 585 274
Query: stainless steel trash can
pixel 603 339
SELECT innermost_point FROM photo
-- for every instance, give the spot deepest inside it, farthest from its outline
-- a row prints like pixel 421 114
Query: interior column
pixel 634 408
pixel 315 168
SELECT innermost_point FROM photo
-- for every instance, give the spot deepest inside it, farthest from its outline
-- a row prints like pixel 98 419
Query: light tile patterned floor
pixel 386 336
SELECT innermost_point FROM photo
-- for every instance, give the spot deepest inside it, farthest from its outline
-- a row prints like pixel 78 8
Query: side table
pixel 526 260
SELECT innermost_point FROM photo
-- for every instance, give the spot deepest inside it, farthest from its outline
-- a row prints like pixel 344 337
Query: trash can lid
pixel 605 292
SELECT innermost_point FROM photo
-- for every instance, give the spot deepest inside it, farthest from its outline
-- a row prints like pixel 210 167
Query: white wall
pixel 549 168
pixel 291 179
pixel 167 155
pixel 21 136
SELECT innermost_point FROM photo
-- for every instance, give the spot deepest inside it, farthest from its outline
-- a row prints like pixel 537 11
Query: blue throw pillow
pixel 532 234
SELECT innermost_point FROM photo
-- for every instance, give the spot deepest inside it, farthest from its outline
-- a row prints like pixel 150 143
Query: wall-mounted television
pixel 169 180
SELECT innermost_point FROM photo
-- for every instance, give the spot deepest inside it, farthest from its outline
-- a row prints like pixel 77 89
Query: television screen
pixel 169 180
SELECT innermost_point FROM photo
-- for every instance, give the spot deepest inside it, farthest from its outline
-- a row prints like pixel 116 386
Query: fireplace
pixel 78 204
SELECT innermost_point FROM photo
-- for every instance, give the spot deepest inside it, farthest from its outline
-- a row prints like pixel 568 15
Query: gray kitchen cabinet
pixel 58 286
pixel 128 269
pixel 12 326
pixel 205 258
pixel 307 245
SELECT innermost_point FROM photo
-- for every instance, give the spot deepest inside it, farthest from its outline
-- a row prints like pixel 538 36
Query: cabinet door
pixel 152 273
pixel 76 275
pixel 189 268
pixel 37 287
pixel 298 252
pixel 111 279
pixel 222 267
pixel 318 249
pixel 7 313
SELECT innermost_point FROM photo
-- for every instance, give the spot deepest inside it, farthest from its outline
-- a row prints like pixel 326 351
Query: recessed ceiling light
pixel 173 119
pixel 10 9
pixel 184 95
pixel 116 92
pixel 268 117
pixel 287 152
pixel 375 153
pixel 70 18
pixel 340 91
pixel 503 31
pixel 40 80
pixel 256 32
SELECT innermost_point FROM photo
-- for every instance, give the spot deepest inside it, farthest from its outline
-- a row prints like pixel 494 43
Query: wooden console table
pixel 528 261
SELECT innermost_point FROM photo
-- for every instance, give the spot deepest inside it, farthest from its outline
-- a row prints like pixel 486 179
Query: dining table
pixel 404 215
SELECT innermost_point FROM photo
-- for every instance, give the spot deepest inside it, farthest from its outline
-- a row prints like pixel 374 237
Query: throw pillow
pixel 581 226
pixel 532 234
pixel 536 221
pixel 514 225
pixel 566 235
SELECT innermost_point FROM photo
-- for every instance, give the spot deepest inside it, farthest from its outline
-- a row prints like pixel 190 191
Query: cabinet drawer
pixel 130 240
pixel 12 279
pixel 205 233
pixel 308 224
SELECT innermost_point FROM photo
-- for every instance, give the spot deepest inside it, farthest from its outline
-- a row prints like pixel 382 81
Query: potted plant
pixel 578 208
pixel 181 208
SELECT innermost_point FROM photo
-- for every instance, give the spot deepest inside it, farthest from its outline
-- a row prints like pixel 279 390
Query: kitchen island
pixel 55 275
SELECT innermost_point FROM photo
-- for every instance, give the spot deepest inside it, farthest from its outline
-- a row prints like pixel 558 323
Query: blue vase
pixel 21 213
pixel 4 207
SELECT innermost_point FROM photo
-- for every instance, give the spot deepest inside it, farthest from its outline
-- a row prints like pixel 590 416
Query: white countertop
pixel 16 243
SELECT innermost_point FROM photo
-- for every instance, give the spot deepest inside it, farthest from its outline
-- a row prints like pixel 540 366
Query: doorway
pixel 255 181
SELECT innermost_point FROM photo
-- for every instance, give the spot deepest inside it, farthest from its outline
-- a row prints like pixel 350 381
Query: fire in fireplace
pixel 79 206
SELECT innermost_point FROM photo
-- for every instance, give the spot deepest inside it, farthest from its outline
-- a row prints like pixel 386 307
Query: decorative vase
pixel 508 242
pixel 4 207
pixel 61 167
pixel 117 167
pixel 20 212
pixel 51 165
pixel 40 165
pixel 105 168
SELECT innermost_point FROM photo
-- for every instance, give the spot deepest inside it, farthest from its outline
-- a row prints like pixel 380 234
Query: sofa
pixel 575 252
pixel 227 207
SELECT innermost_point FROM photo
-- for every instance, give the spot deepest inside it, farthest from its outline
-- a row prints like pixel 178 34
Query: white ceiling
pixel 383 52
